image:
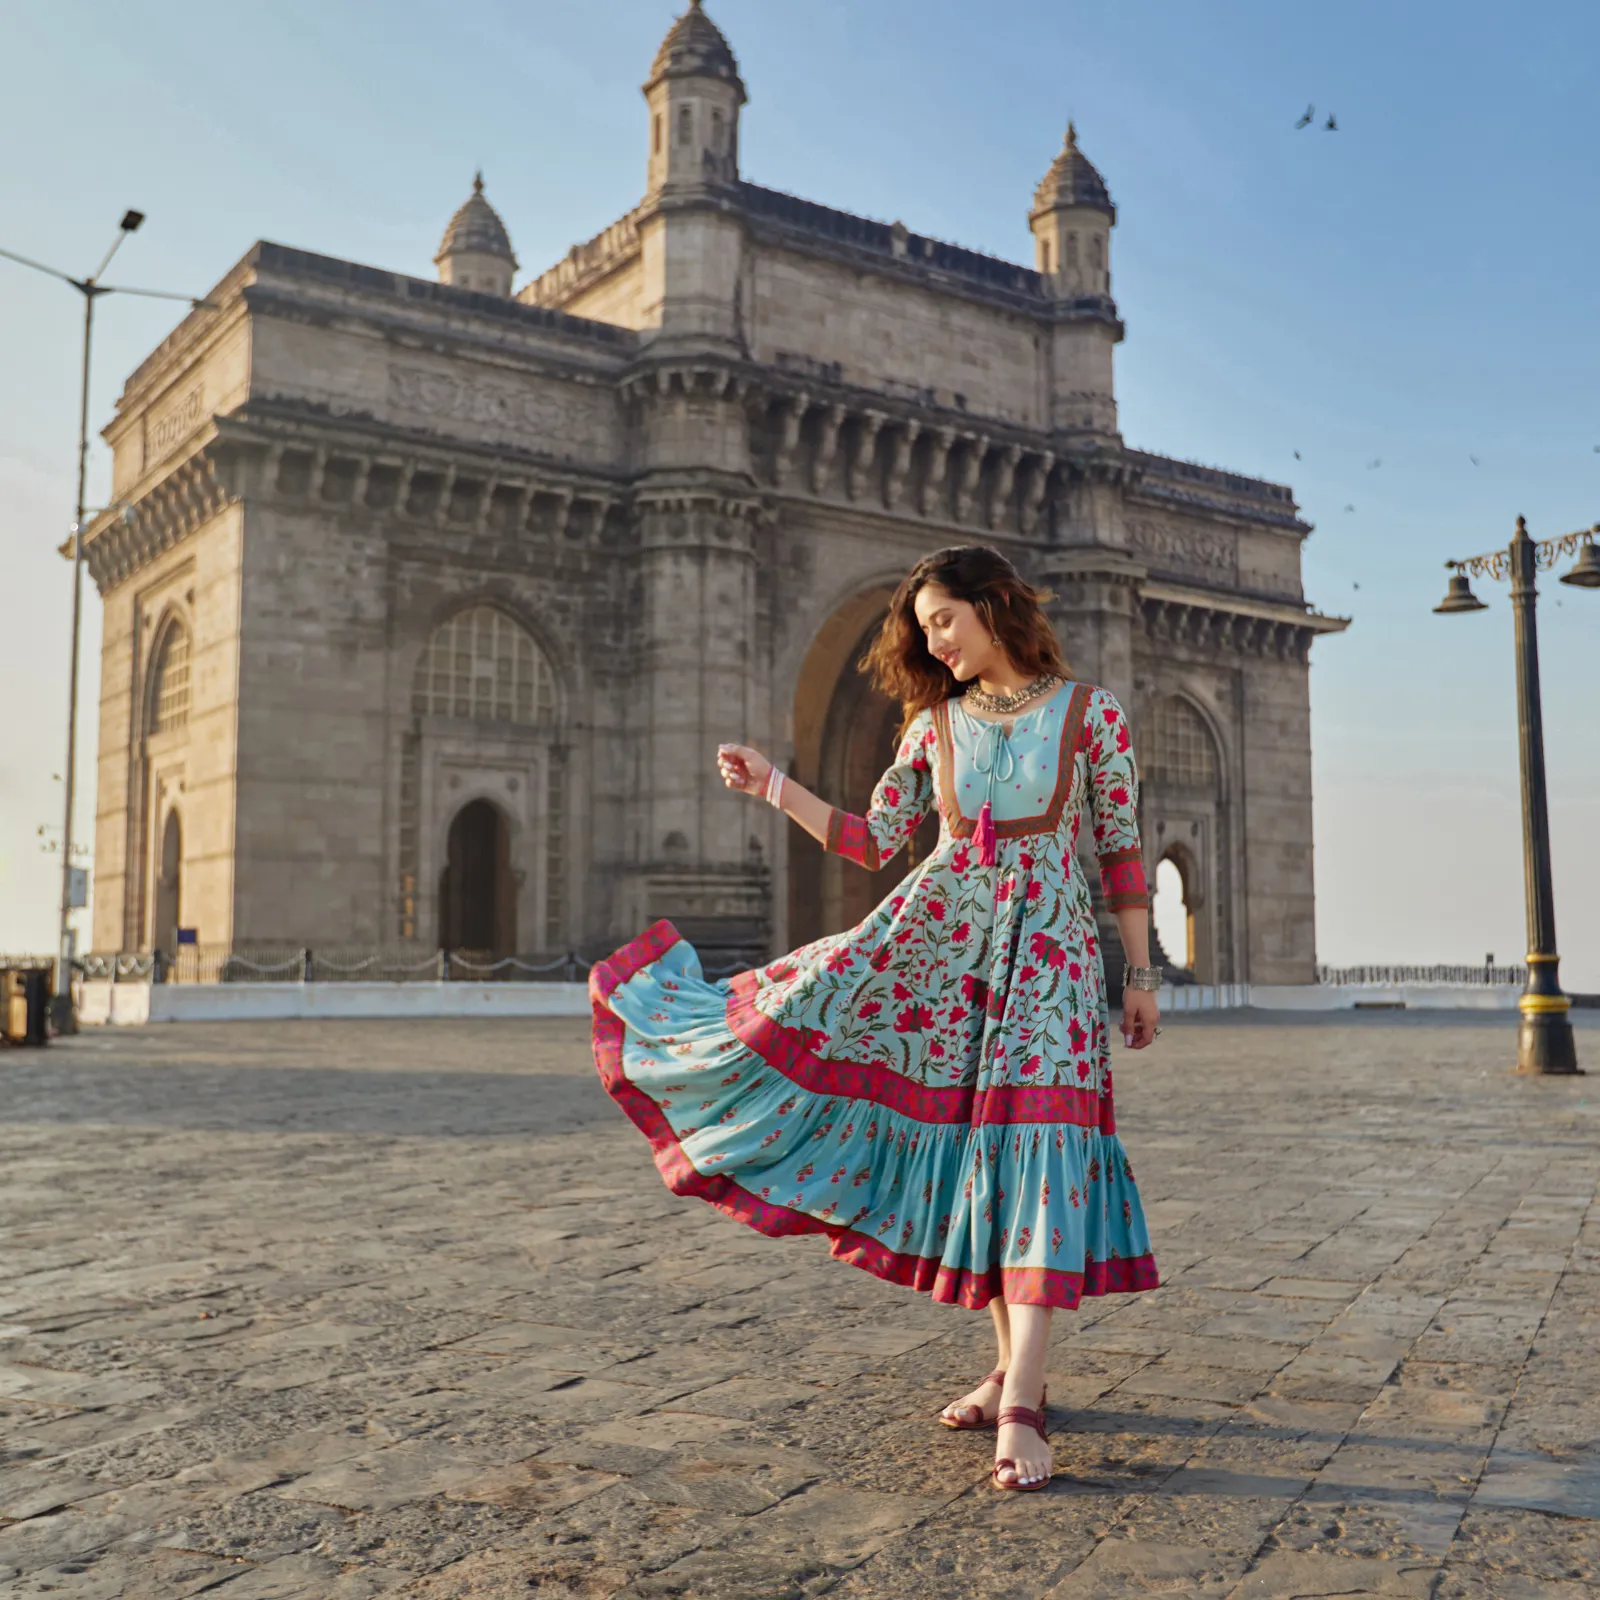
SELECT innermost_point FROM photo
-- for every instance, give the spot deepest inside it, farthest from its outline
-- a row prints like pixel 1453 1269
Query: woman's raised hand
pixel 743 768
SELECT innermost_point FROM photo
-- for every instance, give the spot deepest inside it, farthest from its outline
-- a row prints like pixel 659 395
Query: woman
pixel 932 1088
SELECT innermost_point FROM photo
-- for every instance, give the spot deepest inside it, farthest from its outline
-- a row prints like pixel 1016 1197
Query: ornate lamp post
pixel 91 288
pixel 1544 1039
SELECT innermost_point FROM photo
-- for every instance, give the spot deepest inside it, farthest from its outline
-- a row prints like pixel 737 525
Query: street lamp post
pixel 91 288
pixel 1544 1038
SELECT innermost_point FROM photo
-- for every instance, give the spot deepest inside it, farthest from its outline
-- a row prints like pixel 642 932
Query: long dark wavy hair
pixel 898 661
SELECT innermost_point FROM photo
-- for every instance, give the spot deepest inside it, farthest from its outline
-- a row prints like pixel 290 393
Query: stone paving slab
pixel 337 1310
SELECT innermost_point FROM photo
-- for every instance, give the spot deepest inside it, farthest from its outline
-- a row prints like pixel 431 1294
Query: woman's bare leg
pixel 1029 1350
pixel 986 1397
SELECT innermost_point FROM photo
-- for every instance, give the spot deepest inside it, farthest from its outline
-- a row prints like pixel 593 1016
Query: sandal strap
pixel 997 1376
pixel 1024 1414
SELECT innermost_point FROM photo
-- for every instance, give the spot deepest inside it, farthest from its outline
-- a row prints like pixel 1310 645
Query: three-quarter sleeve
pixel 1114 803
pixel 899 802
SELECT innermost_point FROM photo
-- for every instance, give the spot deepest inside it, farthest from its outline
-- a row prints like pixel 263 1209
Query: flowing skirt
pixel 962 1190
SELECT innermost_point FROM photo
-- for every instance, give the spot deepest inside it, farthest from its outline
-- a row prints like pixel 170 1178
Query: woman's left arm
pixel 1114 807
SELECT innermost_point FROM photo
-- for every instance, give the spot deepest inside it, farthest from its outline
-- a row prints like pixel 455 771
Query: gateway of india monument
pixel 427 603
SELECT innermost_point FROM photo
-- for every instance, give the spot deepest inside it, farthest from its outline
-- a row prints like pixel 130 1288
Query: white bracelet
pixel 774 789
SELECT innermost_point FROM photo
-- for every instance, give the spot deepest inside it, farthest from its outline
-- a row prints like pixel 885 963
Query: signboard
pixel 188 936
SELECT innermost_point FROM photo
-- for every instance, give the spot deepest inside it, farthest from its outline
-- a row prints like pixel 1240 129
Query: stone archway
pixel 477 890
pixel 845 735
pixel 168 904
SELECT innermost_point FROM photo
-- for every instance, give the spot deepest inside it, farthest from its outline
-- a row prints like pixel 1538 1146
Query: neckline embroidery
pixel 1071 741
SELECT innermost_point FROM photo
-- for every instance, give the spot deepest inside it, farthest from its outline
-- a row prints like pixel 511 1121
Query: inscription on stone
pixel 571 423
pixel 167 429
pixel 1180 549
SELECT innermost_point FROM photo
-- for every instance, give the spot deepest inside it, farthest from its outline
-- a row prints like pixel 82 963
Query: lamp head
pixel 131 221
pixel 1459 595
pixel 1585 572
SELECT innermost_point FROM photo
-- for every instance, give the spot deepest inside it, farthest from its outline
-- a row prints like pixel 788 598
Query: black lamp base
pixel 1545 1044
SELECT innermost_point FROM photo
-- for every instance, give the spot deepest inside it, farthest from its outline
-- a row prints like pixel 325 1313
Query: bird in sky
pixel 1377 461
pixel 1349 508
pixel 1331 125
pixel 1305 121
pixel 1297 455
pixel 1473 459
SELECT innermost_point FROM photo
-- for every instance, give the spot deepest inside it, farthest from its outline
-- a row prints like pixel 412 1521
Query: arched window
pixel 1044 257
pixel 483 666
pixel 716 131
pixel 1181 749
pixel 685 125
pixel 169 681
pixel 656 134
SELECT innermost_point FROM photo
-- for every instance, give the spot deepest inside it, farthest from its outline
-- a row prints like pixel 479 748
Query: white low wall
pixel 269 1002
pixel 122 1004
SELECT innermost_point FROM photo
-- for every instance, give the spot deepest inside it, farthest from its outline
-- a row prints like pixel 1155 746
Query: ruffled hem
pixel 970 1283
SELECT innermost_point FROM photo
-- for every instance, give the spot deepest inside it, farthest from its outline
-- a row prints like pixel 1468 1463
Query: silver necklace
pixel 1002 705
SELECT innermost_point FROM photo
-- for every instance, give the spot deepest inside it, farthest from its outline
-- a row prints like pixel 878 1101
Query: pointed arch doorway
pixel 477 890
pixel 845 737
pixel 168 907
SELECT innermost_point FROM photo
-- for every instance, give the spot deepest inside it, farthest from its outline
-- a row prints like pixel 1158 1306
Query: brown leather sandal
pixel 1036 1421
pixel 970 1419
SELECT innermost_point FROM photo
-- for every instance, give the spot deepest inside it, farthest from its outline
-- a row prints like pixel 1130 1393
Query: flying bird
pixel 1377 461
pixel 1331 125
pixel 1473 459
pixel 1306 120
pixel 1297 455
pixel 1349 508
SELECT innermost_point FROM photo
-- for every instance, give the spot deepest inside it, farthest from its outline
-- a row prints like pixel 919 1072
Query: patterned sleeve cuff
pixel 850 837
pixel 1122 881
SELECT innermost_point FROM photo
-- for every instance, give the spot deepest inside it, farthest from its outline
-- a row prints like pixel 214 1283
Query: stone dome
pixel 476 229
pixel 695 48
pixel 1072 181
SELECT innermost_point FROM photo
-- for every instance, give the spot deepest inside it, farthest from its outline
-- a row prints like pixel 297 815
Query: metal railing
pixel 339 964
pixel 1477 976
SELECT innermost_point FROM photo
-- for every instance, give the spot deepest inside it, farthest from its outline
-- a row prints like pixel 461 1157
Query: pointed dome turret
pixel 694 93
pixel 475 252
pixel 1072 181
pixel 1072 219
pixel 695 48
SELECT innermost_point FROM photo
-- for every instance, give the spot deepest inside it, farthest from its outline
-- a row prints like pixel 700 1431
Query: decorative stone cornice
pixel 1217 623
pixel 130 536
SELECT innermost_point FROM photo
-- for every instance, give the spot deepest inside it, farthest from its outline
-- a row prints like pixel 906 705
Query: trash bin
pixel 24 1004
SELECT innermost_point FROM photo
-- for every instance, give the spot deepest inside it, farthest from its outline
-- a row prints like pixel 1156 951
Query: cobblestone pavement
pixel 331 1310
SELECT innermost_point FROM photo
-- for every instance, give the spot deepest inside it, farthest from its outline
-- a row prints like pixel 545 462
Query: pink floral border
pixel 953 1286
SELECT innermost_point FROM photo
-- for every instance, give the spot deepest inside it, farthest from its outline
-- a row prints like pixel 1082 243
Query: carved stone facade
pixel 471 584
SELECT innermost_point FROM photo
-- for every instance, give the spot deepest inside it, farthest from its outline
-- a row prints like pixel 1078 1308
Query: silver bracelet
pixel 1149 978
pixel 774 790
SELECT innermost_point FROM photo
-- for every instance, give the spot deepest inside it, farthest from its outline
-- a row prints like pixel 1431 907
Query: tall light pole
pixel 1544 1039
pixel 91 289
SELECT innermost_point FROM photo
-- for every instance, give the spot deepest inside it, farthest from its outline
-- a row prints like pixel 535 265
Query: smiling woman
pixel 931 1088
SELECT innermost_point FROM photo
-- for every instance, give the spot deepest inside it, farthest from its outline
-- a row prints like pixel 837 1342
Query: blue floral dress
pixel 931 1089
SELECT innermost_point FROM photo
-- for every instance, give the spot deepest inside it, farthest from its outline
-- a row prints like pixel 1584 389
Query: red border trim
pixel 783 1049
pixel 952 1286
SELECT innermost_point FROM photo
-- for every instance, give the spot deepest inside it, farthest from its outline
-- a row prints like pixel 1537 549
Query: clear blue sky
pixel 1418 288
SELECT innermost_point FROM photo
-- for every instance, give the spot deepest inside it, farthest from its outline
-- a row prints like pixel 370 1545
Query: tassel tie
pixel 1001 765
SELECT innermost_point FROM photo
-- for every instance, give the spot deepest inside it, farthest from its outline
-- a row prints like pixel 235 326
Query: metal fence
pixel 1475 976
pixel 340 964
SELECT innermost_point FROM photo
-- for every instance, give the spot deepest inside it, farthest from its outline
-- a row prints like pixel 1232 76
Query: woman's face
pixel 955 633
